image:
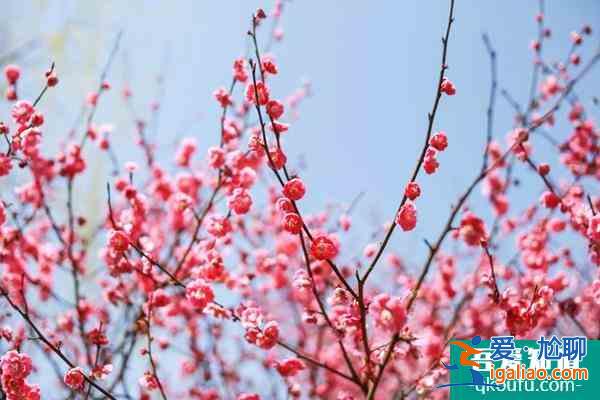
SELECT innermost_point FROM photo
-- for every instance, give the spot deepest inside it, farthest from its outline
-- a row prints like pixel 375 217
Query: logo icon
pixel 467 351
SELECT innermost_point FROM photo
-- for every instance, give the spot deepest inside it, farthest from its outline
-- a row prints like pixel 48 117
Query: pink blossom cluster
pixel 207 267
pixel 14 369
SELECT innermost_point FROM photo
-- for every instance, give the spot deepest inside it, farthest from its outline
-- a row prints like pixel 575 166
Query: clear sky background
pixel 373 67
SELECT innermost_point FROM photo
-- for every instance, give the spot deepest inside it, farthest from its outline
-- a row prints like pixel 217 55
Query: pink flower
pixel 412 191
pixel 260 14
pixel 549 200
pixel 269 66
pixel 52 80
pixel 389 312
pixel 181 202
pixel 92 99
pixel 12 73
pixel 186 151
pixel 270 335
pixel 2 215
pixel 345 222
pixel 261 93
pixel 472 229
pixel 14 368
pixel 5 165
pixel 101 372
pixel 22 112
pixel 439 141
pixel 294 189
pixel 544 169
pixel 160 298
pixel 148 381
pixel 239 70
pixel 289 367
pixel 30 392
pixel 15 364
pixel 447 87
pixel 248 396
pixel 216 157
pixel 407 217
pixel 275 109
pixel 11 93
pixel 247 177
pixel 97 337
pixel 278 127
pixel 430 163
pixel 292 223
pixel 74 378
pixel 323 248
pixel 557 225
pixel 593 230
pixel 278 157
pixel 118 241
pixel 199 294
pixel 550 86
pixel 285 205
pixel 239 201
pixel 218 226
pixel 370 250
pixel 223 97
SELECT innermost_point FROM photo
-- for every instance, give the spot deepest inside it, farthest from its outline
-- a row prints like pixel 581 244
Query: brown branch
pixel 591 203
pixel 431 116
pixel 52 347
pixel 150 357
pixel 492 100
pixel 234 317
pixel 496 292
pixel 315 362
pixel 101 87
pixel 326 316
pixel 530 129
pixel 532 104
pixel 334 267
